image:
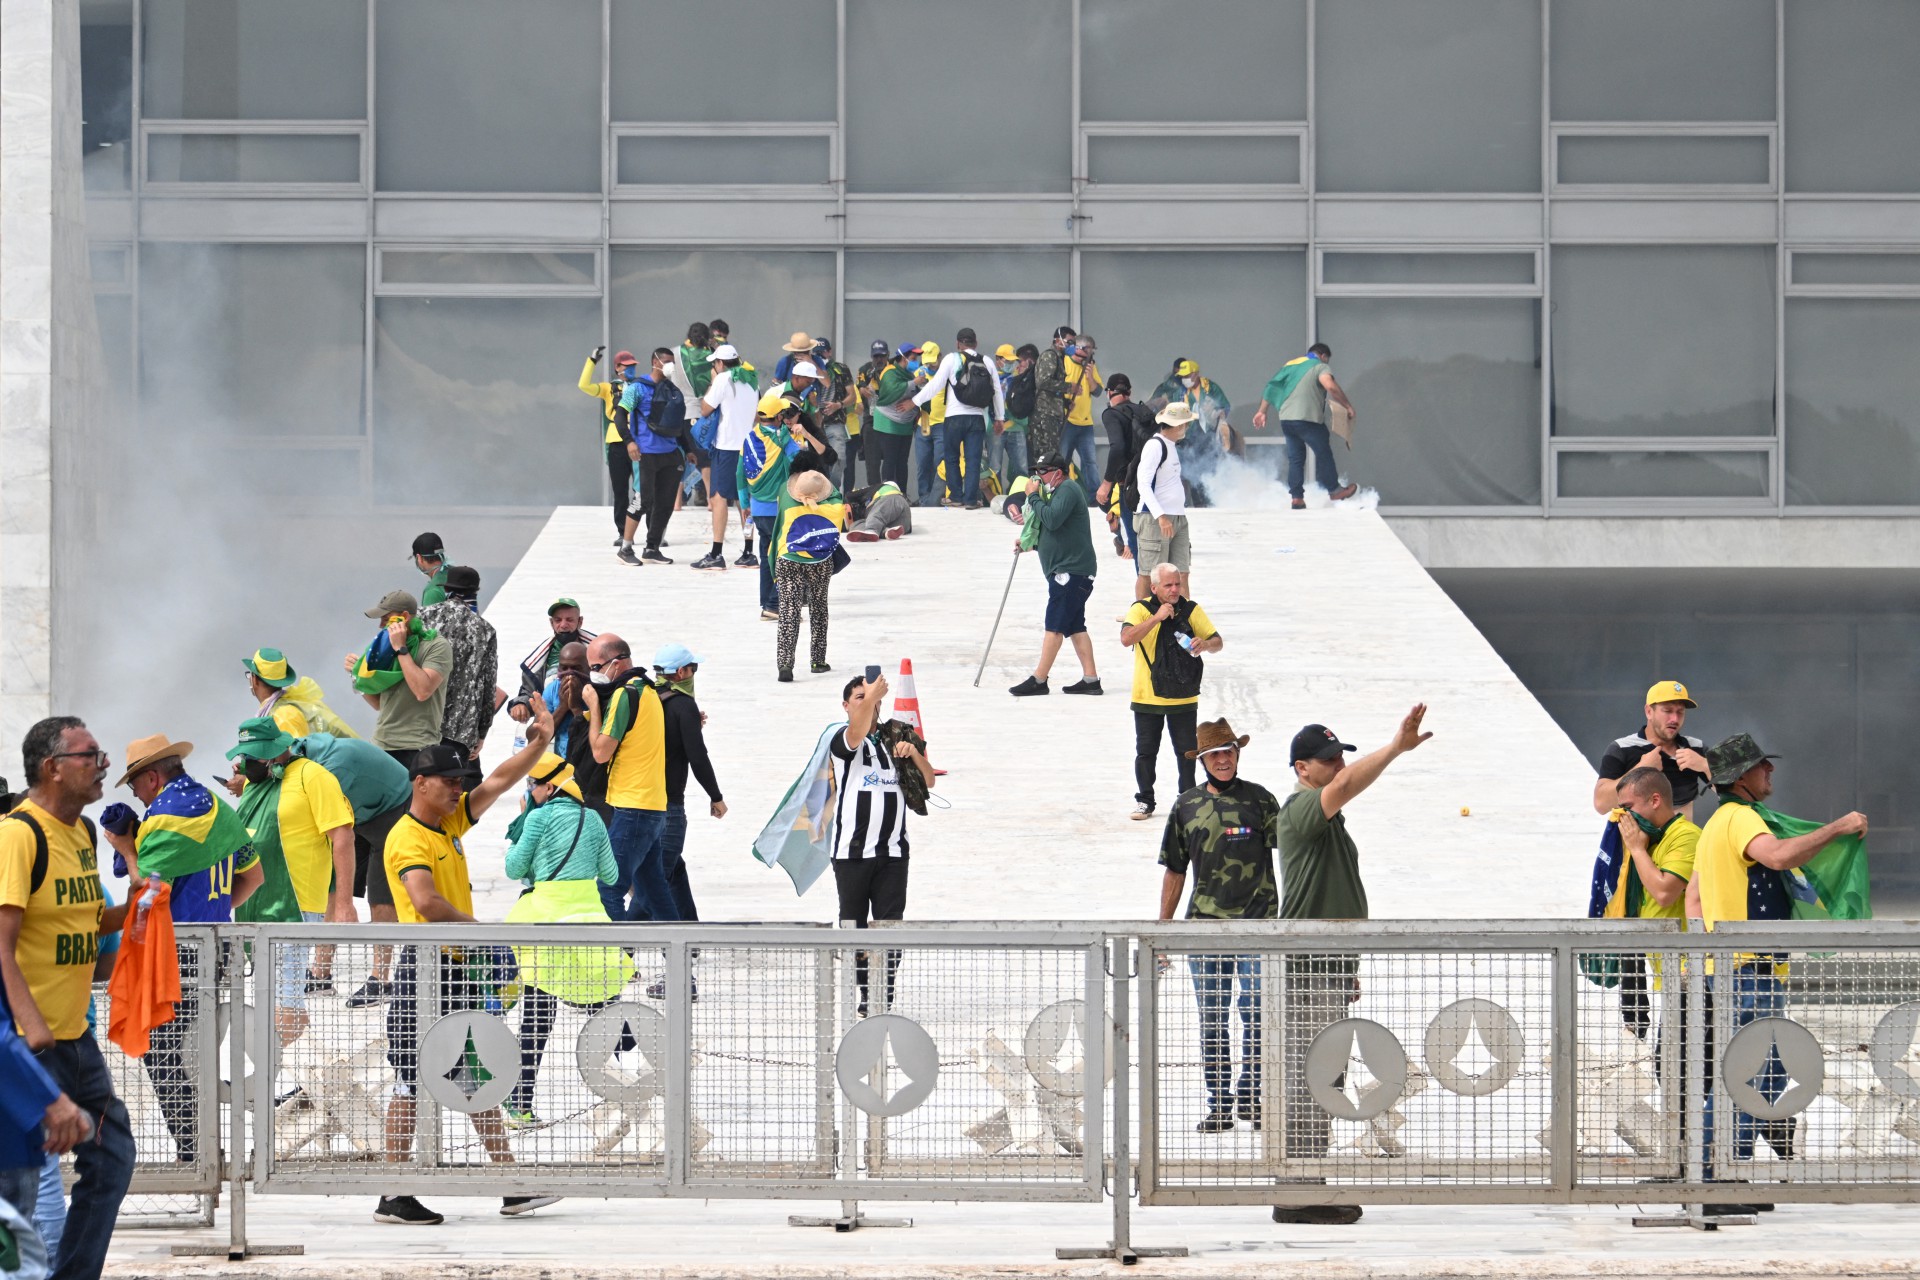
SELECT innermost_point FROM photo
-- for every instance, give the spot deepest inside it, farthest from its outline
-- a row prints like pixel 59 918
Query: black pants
pixel 659 477
pixel 878 885
pixel 896 451
pixel 620 475
pixel 171 1063
pixel 1182 726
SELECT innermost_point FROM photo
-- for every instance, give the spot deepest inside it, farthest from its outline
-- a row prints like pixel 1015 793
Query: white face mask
pixel 599 677
pixel 1191 382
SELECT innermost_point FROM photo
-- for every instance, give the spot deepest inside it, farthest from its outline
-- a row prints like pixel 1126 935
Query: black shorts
pixel 403 1015
pixel 878 885
pixel 370 857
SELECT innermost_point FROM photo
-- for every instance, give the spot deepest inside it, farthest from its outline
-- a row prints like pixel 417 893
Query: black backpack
pixel 972 383
pixel 38 875
pixel 1020 395
pixel 1175 670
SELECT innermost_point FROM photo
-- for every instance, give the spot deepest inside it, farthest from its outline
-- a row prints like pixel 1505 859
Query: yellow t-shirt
pixel 1143 652
pixel 1080 391
pixel 60 933
pixel 637 776
pixel 311 804
pixel 1675 856
pixel 603 392
pixel 412 845
pixel 291 720
pixel 1722 864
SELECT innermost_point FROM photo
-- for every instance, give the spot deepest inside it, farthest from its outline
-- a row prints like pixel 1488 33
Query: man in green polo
pixel 430 558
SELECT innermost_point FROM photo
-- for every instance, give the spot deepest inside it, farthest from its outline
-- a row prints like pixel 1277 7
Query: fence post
pixel 1566 1075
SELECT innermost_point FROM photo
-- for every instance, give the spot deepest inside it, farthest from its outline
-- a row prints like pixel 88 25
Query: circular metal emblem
pixel 1746 1058
pixel 1055 1046
pixel 469 1061
pixel 870 1054
pixel 634 1027
pixel 1331 1055
pixel 1892 1041
pixel 1474 1047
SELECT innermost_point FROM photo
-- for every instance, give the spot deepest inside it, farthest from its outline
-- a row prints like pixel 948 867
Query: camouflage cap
pixel 1729 760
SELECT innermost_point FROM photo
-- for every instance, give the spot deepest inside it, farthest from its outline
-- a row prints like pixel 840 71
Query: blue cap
pixel 672 657
pixel 909 349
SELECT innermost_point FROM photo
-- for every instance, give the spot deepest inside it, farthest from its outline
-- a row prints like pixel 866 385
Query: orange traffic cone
pixel 906 703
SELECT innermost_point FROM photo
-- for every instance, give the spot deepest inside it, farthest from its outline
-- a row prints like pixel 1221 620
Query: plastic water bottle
pixel 138 929
pixel 1184 640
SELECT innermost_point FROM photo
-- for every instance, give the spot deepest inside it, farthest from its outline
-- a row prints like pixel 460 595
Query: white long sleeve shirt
pixel 956 407
pixel 1161 490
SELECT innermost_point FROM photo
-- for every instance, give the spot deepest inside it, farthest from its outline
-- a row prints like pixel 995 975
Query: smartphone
pixel 873 673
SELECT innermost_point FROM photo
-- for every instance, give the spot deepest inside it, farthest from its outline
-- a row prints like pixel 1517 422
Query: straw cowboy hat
pixel 1214 735
pixel 810 486
pixel 799 342
pixel 144 753
pixel 1177 414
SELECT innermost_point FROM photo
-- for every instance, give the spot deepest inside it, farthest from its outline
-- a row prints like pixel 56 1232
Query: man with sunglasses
pixel 51 919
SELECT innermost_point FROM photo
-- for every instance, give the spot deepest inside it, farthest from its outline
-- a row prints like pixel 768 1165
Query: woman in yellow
pixel 812 518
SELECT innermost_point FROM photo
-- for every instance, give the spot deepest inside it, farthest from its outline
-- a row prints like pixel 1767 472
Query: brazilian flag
pixel 379 668
pixel 274 900
pixel 1833 886
pixel 1282 384
pixel 187 830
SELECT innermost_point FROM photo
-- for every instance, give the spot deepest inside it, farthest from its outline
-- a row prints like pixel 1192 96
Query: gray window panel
pixel 764 294
pixel 254 59
pixel 971 98
pixel 448 120
pixel 958 271
pixel 1448 396
pixel 253 157
pixel 467 410
pixel 937 322
pixel 1856 268
pixel 656 161
pixel 1239 316
pixel 1247 61
pixel 108 266
pixel 306 474
pixel 252 339
pixel 1696 161
pixel 724 60
pixel 1667 340
pixel 420 266
pixel 1202 160
pixel 1418 96
pixel 1853 402
pixel 1853 100
pixel 114 314
pixel 1427 268
pixel 1663 475
pixel 106 95
pixel 1657 60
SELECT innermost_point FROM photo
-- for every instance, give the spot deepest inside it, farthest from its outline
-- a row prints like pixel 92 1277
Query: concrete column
pixel 49 348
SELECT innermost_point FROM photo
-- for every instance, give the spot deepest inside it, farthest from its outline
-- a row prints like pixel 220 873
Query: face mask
pixel 561 639
pixel 599 677
pixel 257 771
pixel 1646 826
pixel 1190 382
pixel 682 686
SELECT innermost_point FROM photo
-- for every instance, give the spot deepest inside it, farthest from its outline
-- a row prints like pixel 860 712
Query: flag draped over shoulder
pixel 1616 892
pixel 274 900
pixel 188 829
pixel 1282 384
pixel 1831 887
pixel 799 837
pixel 379 668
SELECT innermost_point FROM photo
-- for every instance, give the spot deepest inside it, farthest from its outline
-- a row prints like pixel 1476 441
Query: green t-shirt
pixel 436 590
pixel 1319 863
pixel 405 723
pixel 1227 838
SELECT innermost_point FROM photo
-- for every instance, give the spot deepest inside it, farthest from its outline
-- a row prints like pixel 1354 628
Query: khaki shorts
pixel 1156 549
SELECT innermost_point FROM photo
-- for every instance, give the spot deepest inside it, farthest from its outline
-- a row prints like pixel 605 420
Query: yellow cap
pixel 1005 351
pixel 773 404
pixel 929 352
pixel 1669 691
pixel 1185 369
pixel 553 770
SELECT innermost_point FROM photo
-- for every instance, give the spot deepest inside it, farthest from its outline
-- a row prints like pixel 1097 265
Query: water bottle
pixel 138 929
pixel 1184 640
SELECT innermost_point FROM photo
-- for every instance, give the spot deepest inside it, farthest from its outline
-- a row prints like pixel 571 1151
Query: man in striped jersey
pixel 870 821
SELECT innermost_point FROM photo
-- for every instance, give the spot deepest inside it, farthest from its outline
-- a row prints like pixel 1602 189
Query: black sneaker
pixel 786 675
pixel 514 1206
pixel 747 560
pixel 1084 685
pixel 1250 1112
pixel 405 1211
pixel 652 556
pixel 319 986
pixel 820 668
pixel 625 556
pixel 370 993
pixel 711 561
pixel 1218 1120
pixel 1029 688
pixel 1318 1215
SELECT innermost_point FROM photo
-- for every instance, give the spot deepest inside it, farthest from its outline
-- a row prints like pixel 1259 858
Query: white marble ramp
pixel 1326 618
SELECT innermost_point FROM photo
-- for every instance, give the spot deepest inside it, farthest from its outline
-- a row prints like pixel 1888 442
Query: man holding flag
pixel 1299 395
pixel 403 675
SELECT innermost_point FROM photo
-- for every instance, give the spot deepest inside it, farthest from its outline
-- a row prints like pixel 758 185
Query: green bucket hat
pixel 272 667
pixel 1730 760
pixel 261 739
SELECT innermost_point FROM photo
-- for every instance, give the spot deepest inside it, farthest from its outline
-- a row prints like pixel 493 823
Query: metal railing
pixel 1277 1063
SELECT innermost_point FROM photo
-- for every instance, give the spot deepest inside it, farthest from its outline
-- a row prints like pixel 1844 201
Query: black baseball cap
pixel 1052 462
pixel 463 580
pixel 1317 742
pixel 879 348
pixel 428 544
pixel 440 760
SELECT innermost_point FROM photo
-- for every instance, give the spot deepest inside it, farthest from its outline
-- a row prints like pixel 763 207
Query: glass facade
pixel 1610 256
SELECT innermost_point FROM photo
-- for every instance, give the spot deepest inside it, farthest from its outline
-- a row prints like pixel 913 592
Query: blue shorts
pixel 1067 603
pixel 724 475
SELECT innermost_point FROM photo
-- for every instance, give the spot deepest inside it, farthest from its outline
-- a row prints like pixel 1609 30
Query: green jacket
pixel 1066 538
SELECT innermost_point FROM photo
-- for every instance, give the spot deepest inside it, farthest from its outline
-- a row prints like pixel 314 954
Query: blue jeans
pixel 769 593
pixel 104 1161
pixel 638 837
pixel 673 849
pixel 1007 456
pixel 1755 994
pixel 1302 436
pixel 966 434
pixel 927 451
pixel 50 1211
pixel 1213 984
pixel 1077 447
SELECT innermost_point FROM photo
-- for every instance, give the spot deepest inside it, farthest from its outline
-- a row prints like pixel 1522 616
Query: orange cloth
pixel 146 977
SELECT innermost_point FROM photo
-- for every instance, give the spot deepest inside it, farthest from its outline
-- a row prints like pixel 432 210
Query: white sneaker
pixel 1141 812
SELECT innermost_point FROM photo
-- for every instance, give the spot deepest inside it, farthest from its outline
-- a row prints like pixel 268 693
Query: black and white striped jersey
pixel 869 814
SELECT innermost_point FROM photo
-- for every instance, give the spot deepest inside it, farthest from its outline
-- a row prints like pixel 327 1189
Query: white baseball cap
pixel 804 369
pixel 725 351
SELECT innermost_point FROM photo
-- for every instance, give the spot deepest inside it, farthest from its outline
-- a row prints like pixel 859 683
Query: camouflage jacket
pixel 1228 841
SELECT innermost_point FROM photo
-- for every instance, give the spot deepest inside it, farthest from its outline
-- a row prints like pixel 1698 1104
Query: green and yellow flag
pixel 1831 887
